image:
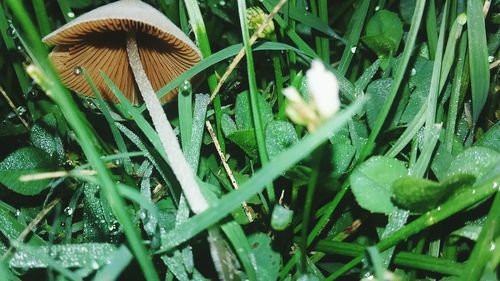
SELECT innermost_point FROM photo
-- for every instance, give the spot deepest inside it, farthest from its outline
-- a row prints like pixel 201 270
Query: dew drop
pixel 69 211
pixel 493 246
pixel 77 70
pixel 413 72
pixel 491 59
pixel 222 2
pixel 11 30
pixel 185 88
pixel 353 49
pixel 94 265
pixel 377 8
pixel 70 15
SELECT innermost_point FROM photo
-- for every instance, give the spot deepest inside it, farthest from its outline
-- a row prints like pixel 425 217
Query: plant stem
pixel 252 83
pixel 311 187
pixel 178 162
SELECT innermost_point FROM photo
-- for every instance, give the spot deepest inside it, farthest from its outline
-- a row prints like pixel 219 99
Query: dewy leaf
pixel 491 138
pixel 92 255
pixel 245 139
pixel 243 111
pixel 26 161
pixel 371 183
pixel 377 91
pixel 281 218
pixel 44 135
pixel 478 56
pixel 279 136
pixel 267 261
pixel 228 125
pixel 476 161
pixel 421 195
pixel 383 33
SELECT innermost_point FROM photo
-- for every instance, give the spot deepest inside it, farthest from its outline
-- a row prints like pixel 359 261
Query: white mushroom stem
pixel 178 162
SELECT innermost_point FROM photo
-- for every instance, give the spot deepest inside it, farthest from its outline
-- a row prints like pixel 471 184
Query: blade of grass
pixel 482 250
pixel 257 182
pixel 403 259
pixel 7 34
pixel 401 69
pixel 66 10
pixel 199 29
pixel 352 35
pixel 317 39
pixel 49 80
pixel 42 18
pixel 432 98
pixel 478 59
pixel 104 108
pixel 431 28
pixel 456 89
pixel 221 56
pixel 252 83
pixel 301 15
pixel 185 108
pixel 311 186
pixel 325 43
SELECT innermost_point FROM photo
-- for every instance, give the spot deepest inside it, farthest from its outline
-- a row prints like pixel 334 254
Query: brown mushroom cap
pixel 97 41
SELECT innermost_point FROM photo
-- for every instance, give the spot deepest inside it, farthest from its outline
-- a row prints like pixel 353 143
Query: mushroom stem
pixel 169 141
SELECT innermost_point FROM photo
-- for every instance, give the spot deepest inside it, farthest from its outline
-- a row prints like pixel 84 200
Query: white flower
pixel 297 109
pixel 324 89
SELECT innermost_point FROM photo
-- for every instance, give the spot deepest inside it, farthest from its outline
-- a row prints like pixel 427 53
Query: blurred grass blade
pixel 478 58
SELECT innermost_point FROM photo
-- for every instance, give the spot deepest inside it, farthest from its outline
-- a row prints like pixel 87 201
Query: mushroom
pixel 97 41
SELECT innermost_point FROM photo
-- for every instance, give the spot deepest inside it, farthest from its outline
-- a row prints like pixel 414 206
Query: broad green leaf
pixel 341 158
pixel 383 33
pixel 419 84
pixel 406 9
pixel 22 162
pixel 245 139
pixel 243 111
pixel 267 261
pixel 11 228
pixel 377 91
pixel 421 195
pixel 476 161
pixel 228 125
pixel 371 183
pixel 478 56
pixel 279 136
pixel 491 138
pixel 44 135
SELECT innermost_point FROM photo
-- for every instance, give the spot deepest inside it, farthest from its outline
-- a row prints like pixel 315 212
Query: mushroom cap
pixel 96 41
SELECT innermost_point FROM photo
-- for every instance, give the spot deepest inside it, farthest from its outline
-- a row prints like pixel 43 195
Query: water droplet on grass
pixel 69 211
pixel 77 70
pixel 70 15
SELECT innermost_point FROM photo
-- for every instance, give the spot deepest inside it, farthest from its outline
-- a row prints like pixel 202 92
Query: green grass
pixel 404 178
